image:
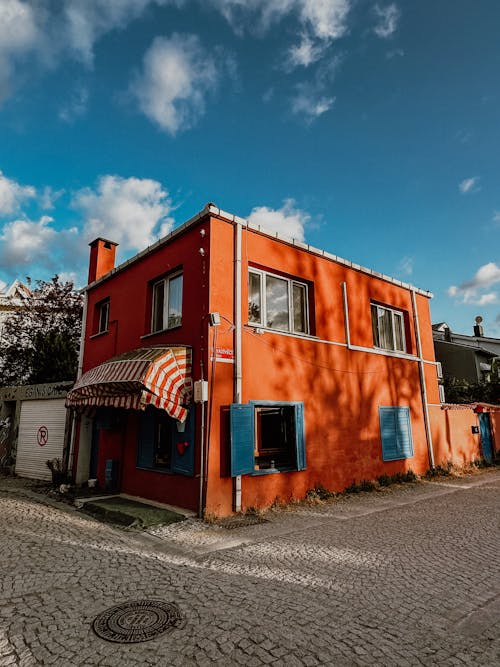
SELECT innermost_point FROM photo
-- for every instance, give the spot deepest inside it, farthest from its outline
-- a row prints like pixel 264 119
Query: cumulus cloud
pixel 19 35
pixel 131 211
pixel 469 292
pixel 469 185
pixel 288 220
pixel 51 31
pixel 387 20
pixel 312 98
pixel 12 195
pixel 23 241
pixel 177 76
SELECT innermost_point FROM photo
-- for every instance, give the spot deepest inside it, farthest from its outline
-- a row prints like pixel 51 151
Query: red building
pixel 314 370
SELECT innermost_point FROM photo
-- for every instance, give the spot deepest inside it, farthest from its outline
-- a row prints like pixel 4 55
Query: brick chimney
pixel 102 258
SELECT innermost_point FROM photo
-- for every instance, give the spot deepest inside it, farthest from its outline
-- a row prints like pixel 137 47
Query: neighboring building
pixel 34 427
pixel 320 371
pixel 11 299
pixel 466 357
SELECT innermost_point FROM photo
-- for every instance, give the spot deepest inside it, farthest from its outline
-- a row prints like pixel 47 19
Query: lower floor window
pixel 267 436
pixel 275 437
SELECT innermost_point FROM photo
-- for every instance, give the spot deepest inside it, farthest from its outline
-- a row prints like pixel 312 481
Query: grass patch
pixel 130 513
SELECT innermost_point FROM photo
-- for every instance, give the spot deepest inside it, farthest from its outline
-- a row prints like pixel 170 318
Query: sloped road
pixel 410 576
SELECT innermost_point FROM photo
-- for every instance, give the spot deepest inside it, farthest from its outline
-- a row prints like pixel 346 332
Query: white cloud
pixel 177 76
pixel 325 19
pixel 312 98
pixel 287 220
pixel 406 265
pixel 12 195
pixel 306 53
pixel 19 35
pixel 131 211
pixel 309 104
pixel 468 292
pixel 388 19
pixel 52 31
pixel 496 217
pixel 23 241
pixel 469 185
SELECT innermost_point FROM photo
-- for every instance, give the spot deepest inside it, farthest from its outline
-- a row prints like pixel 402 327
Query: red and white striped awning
pixel 158 376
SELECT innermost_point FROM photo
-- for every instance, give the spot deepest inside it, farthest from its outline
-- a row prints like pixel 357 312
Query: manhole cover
pixel 137 621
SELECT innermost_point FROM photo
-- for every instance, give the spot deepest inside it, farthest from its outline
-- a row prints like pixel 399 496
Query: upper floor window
pixel 388 328
pixel 101 317
pixel 277 303
pixel 167 303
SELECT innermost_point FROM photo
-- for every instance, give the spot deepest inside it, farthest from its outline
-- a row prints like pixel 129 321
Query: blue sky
pixel 370 129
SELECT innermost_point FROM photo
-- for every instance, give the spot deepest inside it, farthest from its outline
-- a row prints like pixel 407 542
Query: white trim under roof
pixel 211 209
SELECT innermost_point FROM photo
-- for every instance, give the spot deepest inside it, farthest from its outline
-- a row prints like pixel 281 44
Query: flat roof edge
pixel 212 209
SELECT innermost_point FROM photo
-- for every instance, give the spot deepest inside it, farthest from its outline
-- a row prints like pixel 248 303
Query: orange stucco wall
pixel 341 389
pixel 452 436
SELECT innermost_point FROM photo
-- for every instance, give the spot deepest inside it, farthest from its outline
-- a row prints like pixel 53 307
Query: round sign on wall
pixel 42 436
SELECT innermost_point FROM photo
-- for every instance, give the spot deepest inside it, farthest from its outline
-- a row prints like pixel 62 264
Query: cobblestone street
pixel 404 576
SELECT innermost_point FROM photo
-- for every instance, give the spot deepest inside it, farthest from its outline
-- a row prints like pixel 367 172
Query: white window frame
pixel 393 312
pixel 263 305
pixel 103 315
pixel 166 299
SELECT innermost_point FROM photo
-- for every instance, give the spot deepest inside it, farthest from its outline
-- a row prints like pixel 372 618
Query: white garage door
pixel 41 437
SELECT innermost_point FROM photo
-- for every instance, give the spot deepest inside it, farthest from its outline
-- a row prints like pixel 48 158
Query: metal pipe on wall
pixel 238 375
pixel 423 388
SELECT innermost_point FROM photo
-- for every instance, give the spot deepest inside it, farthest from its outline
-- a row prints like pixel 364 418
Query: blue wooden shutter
pixel 183 456
pixel 403 432
pixel 242 439
pixel 145 446
pixel 395 432
pixel 300 439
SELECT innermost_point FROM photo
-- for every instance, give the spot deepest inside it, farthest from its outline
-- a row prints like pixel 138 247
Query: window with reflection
pixel 277 303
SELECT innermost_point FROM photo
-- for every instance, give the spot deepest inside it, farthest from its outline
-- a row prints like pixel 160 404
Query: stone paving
pixel 408 576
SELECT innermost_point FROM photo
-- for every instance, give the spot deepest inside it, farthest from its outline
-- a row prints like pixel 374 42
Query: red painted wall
pixel 129 292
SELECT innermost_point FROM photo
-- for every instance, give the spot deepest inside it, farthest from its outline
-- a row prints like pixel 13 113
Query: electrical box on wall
pixel 201 391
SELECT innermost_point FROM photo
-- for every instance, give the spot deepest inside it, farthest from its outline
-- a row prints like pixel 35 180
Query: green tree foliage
pixel 40 341
pixel 463 391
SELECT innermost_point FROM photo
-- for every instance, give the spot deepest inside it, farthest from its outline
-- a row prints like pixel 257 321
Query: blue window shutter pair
pixel 242 432
pixel 395 431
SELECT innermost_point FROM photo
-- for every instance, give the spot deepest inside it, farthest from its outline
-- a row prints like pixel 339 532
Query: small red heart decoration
pixel 181 447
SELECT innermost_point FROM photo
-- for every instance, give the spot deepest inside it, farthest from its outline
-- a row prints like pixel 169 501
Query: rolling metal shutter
pixel 41 437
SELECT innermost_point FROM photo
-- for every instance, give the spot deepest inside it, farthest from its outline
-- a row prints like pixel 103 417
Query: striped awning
pixel 475 407
pixel 158 376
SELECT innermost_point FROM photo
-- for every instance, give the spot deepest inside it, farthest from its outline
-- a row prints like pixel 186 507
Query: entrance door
pixel 486 439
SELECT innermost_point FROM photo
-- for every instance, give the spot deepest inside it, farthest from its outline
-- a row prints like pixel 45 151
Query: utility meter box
pixel 201 391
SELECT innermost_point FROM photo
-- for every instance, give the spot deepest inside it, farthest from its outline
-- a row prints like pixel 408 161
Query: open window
pixel 267 437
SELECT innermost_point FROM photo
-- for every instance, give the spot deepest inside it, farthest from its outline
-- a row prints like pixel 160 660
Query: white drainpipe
pixel 238 376
pixel 423 388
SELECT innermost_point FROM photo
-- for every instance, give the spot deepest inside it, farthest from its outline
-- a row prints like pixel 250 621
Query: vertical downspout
pixel 202 449
pixel 423 388
pixel 346 315
pixel 237 345
pixel 82 337
pixel 70 461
